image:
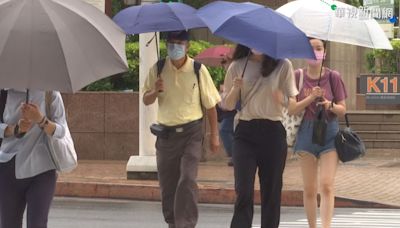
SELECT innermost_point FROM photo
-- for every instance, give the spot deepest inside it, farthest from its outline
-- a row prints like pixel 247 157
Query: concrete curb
pixel 206 194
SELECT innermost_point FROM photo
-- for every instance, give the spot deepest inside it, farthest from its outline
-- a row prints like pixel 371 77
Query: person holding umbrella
pixel 324 90
pixel 181 90
pixel 27 173
pixel 255 79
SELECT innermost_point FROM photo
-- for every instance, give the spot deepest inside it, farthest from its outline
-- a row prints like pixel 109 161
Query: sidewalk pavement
pixel 368 182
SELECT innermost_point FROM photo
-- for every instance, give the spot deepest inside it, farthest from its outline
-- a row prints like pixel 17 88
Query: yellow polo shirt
pixel 179 103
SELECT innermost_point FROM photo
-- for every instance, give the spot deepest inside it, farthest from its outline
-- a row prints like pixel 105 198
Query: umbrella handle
pixel 247 61
pixel 322 64
pixel 27 96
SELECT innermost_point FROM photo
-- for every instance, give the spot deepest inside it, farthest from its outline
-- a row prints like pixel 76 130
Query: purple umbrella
pixel 256 27
pixel 158 17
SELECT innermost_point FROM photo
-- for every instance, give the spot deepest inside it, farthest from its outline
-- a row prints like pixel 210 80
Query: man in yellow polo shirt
pixel 180 97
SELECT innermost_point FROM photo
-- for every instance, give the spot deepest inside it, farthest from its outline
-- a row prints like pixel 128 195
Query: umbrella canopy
pixel 214 56
pixel 320 20
pixel 158 17
pixel 57 45
pixel 256 27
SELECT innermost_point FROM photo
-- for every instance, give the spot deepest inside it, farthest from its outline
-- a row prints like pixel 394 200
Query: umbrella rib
pixel 15 21
pixel 95 27
pixel 180 21
pixel 369 34
pixel 61 47
pixel 87 20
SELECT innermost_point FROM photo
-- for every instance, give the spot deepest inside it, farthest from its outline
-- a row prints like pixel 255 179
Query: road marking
pixel 367 219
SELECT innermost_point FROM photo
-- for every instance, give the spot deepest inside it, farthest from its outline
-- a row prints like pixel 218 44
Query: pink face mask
pixel 319 55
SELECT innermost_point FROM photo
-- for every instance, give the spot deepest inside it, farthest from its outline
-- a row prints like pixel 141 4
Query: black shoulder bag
pixel 348 143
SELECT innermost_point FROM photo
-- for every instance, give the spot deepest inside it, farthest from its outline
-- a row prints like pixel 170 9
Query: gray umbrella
pixel 59 45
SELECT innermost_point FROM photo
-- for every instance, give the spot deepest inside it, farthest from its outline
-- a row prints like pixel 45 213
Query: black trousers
pixel 35 193
pixel 258 144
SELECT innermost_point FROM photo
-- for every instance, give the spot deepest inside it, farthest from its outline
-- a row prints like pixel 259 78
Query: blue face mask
pixel 176 51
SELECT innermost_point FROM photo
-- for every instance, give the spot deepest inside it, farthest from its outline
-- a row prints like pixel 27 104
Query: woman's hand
pixel 326 103
pixel 24 125
pixel 31 112
pixel 316 92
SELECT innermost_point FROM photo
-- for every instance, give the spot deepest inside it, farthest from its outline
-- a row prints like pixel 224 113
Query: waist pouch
pixel 159 130
pixel 163 131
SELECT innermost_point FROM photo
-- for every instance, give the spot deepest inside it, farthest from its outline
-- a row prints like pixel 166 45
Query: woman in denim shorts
pixel 328 92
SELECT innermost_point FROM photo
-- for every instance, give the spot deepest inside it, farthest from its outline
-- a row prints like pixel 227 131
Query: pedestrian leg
pixel 245 166
pixel 12 197
pixel 39 197
pixel 328 169
pixel 186 197
pixel 168 175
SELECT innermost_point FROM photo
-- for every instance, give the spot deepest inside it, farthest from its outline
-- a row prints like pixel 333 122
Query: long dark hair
pixel 268 64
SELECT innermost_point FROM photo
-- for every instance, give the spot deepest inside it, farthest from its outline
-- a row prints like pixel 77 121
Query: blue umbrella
pixel 256 27
pixel 158 17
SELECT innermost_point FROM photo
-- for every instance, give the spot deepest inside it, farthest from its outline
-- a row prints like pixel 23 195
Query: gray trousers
pixel 178 157
pixel 35 193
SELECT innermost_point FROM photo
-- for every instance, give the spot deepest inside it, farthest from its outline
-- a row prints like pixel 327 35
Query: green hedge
pixel 130 79
pixel 385 61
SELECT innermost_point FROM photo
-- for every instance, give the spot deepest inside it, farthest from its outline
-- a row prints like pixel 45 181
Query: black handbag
pixel 349 145
pixel 319 127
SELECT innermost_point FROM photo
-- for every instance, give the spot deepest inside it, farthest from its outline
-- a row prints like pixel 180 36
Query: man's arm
pixel 212 119
pixel 149 97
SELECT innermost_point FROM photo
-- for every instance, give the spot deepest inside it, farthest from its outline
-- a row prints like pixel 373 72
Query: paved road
pixel 94 213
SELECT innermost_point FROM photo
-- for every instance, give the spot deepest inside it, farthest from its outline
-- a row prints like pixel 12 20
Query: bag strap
pixel 3 101
pixel 251 93
pixel 334 100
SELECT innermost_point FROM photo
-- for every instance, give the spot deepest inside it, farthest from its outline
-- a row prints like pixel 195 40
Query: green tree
pixel 117 5
pixel 355 3
pixel 196 3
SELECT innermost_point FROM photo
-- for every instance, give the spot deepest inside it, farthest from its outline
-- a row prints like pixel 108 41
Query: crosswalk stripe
pixel 368 219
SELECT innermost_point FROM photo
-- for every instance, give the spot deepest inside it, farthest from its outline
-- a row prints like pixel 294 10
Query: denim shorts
pixel 304 138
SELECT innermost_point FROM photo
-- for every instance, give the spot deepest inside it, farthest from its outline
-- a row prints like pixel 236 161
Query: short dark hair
pixel 178 35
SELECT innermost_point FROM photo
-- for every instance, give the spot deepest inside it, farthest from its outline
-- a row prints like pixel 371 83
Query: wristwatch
pixel 46 122
pixel 18 134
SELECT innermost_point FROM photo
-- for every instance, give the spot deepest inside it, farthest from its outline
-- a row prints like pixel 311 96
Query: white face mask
pixel 176 51
pixel 255 52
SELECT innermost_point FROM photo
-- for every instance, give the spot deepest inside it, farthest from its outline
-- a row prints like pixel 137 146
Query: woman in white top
pixel 27 172
pixel 260 138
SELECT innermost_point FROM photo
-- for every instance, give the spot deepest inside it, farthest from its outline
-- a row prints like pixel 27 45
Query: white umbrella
pixel 343 23
pixel 57 45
